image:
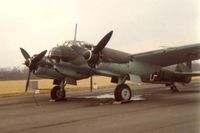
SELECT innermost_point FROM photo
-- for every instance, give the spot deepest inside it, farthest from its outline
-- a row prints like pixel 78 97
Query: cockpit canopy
pixel 69 50
pixel 78 43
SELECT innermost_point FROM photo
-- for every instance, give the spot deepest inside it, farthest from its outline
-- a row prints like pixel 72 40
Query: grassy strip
pixel 16 87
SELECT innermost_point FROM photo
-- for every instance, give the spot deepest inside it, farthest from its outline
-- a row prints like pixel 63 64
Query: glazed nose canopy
pixel 55 53
pixel 63 53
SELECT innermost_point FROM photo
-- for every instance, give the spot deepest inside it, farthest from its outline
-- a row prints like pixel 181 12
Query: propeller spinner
pixel 31 63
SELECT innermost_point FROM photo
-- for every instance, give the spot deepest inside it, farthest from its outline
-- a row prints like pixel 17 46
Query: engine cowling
pixel 91 58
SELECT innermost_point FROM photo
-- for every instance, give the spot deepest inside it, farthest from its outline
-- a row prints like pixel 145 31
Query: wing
pixel 170 56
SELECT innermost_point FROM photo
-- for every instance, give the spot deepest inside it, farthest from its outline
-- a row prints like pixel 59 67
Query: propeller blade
pixel 102 43
pixel 25 54
pixel 91 83
pixel 28 79
pixel 38 57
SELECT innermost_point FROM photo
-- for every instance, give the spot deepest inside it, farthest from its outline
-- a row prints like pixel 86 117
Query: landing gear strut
pixel 58 92
pixel 122 93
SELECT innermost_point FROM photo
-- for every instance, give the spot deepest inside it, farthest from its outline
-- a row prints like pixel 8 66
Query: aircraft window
pixel 69 44
pixel 88 46
pixel 78 43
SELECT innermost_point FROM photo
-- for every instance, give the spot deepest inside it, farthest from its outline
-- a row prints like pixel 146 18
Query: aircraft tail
pixel 184 67
pixel 185 70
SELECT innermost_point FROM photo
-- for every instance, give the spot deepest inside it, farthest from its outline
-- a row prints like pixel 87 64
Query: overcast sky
pixel 138 25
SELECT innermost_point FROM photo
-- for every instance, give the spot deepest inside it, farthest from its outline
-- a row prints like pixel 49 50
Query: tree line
pixel 14 73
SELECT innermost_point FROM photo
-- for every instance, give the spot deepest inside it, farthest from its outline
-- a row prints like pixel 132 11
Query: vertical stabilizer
pixel 184 67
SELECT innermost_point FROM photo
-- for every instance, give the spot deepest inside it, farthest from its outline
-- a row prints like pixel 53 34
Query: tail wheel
pixel 57 94
pixel 123 93
pixel 174 88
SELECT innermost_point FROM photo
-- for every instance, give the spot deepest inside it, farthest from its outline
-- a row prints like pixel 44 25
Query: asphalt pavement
pixel 153 109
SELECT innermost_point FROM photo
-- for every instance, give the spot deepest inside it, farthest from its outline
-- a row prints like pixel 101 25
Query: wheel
pixel 123 93
pixel 174 88
pixel 57 94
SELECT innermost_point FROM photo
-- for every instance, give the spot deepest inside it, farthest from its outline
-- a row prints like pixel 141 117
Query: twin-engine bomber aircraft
pixel 76 60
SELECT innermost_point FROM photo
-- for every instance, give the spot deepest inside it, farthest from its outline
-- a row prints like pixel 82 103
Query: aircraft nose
pixel 64 53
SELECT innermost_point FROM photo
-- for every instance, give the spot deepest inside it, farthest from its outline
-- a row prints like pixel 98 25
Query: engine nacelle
pixel 91 58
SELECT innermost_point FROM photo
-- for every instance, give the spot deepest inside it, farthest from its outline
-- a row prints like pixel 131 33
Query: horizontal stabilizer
pixel 188 74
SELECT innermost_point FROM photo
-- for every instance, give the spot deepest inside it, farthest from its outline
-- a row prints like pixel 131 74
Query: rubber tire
pixel 118 92
pixel 174 89
pixel 54 96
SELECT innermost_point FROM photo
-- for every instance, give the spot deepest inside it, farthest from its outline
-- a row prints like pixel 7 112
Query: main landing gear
pixel 122 93
pixel 58 92
pixel 173 88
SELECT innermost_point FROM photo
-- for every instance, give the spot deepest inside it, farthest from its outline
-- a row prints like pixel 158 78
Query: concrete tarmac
pixel 154 109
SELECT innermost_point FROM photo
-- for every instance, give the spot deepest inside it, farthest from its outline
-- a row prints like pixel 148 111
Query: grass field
pixel 16 87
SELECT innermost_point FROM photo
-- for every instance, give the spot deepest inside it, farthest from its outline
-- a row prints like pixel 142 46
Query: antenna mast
pixel 75 32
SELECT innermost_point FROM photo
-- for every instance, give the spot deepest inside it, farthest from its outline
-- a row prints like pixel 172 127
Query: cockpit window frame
pixel 78 43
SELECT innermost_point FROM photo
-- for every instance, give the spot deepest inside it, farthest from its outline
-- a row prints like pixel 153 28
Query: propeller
pixel 31 63
pixel 92 57
pixel 102 43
